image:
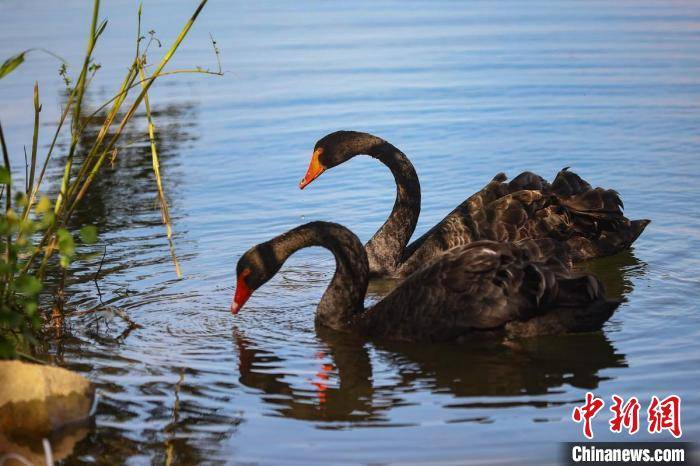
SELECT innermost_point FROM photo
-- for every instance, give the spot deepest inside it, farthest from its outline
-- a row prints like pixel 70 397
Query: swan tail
pixel 596 215
pixel 637 227
pixel 607 241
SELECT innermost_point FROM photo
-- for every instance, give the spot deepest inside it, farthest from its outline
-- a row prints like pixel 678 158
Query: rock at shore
pixel 37 400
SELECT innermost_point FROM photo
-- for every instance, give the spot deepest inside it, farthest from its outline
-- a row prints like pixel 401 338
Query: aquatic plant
pixel 35 227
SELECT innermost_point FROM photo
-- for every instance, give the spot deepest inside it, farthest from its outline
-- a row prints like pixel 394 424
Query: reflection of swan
pixel 319 398
pixel 519 367
pixel 473 369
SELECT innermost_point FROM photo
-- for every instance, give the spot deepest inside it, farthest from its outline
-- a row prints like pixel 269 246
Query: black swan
pixel 589 220
pixel 484 286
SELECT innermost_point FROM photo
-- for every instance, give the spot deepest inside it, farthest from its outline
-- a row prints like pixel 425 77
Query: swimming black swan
pixel 480 287
pixel 589 220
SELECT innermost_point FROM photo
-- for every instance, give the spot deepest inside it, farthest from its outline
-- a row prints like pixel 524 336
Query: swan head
pixel 336 148
pixel 254 269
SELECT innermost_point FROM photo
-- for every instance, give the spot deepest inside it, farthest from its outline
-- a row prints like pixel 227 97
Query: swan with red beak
pixel 485 286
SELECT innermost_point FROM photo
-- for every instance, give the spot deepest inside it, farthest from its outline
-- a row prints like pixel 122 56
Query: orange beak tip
pixel 314 171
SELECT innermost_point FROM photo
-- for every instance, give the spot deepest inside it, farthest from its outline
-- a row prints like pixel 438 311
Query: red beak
pixel 243 292
pixel 315 169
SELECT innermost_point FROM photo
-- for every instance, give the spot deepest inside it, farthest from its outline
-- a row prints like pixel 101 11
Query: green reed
pixel 37 227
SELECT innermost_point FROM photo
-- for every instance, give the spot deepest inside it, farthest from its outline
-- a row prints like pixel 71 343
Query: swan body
pixel 480 287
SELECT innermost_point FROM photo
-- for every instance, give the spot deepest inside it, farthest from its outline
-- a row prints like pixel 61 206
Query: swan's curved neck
pixel 385 249
pixel 344 298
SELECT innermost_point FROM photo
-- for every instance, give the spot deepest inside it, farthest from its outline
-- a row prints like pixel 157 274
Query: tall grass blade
pixel 35 139
pixel 8 191
pixel 165 213
pixel 137 102
pixel 79 90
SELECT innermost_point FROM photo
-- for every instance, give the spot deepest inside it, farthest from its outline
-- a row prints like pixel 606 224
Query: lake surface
pixel 466 89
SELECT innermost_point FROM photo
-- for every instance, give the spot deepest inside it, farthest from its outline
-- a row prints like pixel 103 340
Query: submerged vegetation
pixel 38 238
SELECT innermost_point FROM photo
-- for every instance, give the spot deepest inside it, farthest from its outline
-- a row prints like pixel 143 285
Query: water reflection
pixel 616 272
pixel 534 366
pixel 340 389
pixel 123 194
pixel 122 202
pixel 171 420
pixel 32 449
pixel 343 389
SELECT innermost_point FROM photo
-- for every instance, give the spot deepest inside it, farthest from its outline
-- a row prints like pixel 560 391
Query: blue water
pixel 466 89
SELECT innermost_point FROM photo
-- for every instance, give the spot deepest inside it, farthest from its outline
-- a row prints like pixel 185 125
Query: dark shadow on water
pixel 616 272
pixel 343 389
pixel 351 400
pixel 535 366
pixel 31 448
